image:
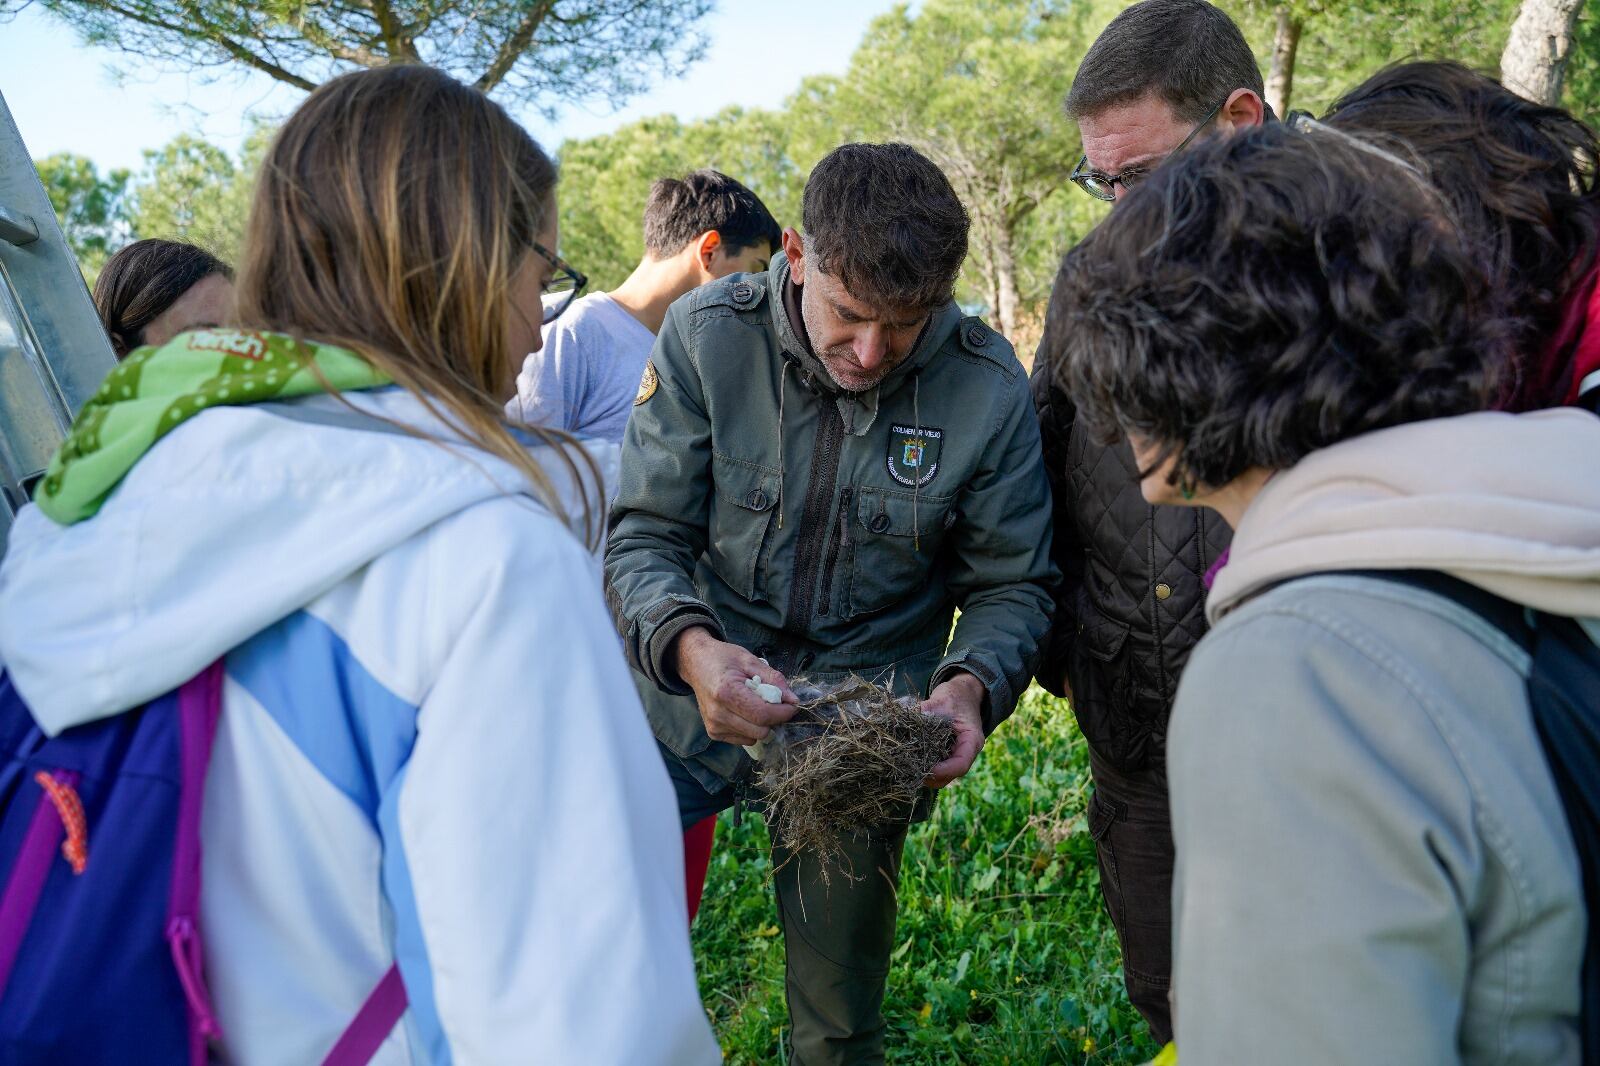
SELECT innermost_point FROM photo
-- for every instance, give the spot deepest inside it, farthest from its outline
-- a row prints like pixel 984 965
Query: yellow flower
pixel 1088 1045
pixel 926 1012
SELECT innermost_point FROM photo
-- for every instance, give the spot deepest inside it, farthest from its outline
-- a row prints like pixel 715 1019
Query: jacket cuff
pixel 661 626
pixel 1001 698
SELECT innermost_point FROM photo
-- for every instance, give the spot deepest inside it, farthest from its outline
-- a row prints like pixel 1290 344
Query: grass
pixel 1005 954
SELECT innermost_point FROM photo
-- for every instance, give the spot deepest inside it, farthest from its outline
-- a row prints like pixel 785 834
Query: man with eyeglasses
pixel 585 379
pixel 1131 607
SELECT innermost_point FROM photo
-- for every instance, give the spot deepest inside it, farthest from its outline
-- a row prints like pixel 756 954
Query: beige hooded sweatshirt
pixel 1510 503
pixel 1373 864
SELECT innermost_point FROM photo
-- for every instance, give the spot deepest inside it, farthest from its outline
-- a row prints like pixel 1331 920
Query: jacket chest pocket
pixel 743 503
pixel 896 537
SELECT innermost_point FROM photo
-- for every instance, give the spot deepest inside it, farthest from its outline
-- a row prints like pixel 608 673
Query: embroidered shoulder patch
pixel 647 385
pixel 914 453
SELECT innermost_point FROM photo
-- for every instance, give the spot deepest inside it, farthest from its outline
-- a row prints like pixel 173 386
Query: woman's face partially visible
pixel 1155 486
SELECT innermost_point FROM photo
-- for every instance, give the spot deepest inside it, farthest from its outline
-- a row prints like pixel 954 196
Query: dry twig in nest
pixel 854 757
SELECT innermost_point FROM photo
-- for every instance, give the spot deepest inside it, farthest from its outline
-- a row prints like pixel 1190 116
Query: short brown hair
pixel 1188 52
pixel 884 220
pixel 680 209
pixel 142 280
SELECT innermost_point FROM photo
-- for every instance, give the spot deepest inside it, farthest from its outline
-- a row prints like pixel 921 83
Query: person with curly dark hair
pixel 1373 861
pixel 1521 179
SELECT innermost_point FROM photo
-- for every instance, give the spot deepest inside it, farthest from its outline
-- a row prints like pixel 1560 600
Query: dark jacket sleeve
pixel 1056 415
pixel 660 519
pixel 1000 571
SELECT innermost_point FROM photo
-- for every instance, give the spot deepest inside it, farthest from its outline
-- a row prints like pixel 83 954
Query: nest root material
pixel 853 757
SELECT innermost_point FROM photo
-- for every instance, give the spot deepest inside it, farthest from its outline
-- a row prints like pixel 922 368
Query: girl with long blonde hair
pixel 431 783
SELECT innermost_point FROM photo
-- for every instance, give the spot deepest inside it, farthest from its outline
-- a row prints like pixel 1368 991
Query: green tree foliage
pixel 1582 92
pixel 191 190
pixel 529 51
pixel 1341 42
pixel 91 207
pixel 977 86
pixel 188 190
pixel 605 179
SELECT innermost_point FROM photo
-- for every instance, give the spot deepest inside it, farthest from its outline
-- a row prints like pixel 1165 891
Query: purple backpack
pixel 100 955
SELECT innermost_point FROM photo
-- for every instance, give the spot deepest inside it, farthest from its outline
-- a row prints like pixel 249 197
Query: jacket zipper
pixel 814 524
pixel 836 548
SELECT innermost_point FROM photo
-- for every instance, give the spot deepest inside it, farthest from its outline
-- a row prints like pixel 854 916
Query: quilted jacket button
pixel 1163 591
pixel 879 523
pixel 743 292
pixel 757 501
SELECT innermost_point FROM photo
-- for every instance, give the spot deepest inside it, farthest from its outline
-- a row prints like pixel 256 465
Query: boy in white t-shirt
pixel 696 230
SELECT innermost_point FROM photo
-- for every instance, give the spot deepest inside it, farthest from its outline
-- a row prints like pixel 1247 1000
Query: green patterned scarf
pixel 155 390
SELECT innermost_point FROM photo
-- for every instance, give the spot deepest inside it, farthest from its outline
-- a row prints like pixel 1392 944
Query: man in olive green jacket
pixel 824 462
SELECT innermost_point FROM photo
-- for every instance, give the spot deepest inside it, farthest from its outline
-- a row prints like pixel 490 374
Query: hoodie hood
pixel 1505 502
pixel 233 521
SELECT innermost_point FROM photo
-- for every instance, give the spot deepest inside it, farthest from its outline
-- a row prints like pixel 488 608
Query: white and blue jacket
pixel 430 751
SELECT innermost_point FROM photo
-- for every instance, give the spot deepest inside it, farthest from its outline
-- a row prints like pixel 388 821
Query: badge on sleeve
pixel 647 385
pixel 914 453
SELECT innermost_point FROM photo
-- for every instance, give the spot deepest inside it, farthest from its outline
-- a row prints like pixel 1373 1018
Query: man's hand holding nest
pixel 960 701
pixel 719 673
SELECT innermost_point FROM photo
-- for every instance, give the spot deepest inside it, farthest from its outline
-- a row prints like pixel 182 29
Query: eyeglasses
pixel 1104 186
pixel 564 286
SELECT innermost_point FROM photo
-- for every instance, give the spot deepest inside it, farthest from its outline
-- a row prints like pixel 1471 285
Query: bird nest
pixel 853 757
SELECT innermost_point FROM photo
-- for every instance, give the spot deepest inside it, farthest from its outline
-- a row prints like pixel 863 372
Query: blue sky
pixel 68 97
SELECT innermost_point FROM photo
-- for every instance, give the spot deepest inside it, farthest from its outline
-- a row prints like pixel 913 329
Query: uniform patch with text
pixel 647 385
pixel 914 453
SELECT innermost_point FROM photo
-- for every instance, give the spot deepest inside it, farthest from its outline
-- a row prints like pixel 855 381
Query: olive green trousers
pixel 838 933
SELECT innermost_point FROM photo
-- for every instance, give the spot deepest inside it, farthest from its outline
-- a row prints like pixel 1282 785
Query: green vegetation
pixel 976 84
pixel 552 50
pixel 1005 953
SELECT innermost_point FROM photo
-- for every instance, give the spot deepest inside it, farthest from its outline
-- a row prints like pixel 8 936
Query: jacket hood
pixel 1505 502
pixel 234 520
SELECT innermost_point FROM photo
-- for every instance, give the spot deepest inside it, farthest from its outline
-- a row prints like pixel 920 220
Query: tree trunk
pixel 1280 78
pixel 1005 271
pixel 1535 59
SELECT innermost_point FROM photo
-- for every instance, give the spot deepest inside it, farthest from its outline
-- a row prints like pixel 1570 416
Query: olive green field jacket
pixel 829 532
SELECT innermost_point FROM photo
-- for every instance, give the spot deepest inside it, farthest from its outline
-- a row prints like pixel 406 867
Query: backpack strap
pixel 1508 617
pixel 372 1024
pixel 1563 686
pixel 1590 400
pixel 199 706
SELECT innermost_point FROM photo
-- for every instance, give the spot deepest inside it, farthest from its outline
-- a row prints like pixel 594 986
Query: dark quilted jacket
pixel 1131 605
